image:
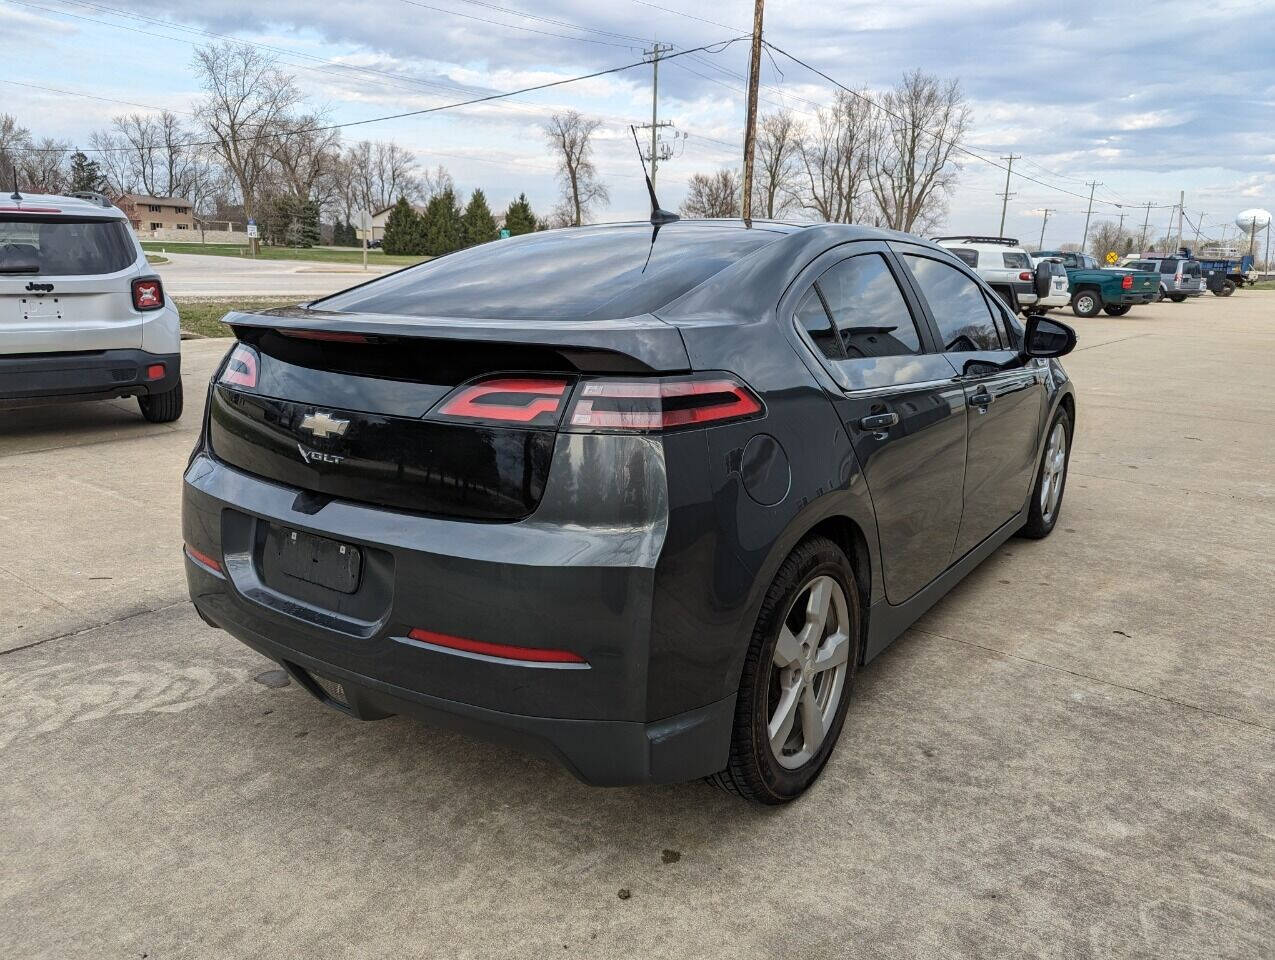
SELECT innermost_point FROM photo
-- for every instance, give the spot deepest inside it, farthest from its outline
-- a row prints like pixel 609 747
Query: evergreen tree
pixel 519 218
pixel 86 175
pixel 404 232
pixel 443 224
pixel 477 223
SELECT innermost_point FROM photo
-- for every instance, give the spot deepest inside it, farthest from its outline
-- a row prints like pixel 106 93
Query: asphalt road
pixel 1072 755
pixel 199 275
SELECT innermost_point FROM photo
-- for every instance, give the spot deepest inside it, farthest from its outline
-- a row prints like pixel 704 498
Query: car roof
pixel 54 204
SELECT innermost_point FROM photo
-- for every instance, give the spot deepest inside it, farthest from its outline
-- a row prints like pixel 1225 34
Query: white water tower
pixel 1253 222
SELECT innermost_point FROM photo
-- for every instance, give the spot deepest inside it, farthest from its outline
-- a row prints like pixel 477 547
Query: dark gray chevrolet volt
pixel 643 506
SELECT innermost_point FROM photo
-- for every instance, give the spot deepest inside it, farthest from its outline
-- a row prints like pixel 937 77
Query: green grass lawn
pixel 316 254
pixel 203 315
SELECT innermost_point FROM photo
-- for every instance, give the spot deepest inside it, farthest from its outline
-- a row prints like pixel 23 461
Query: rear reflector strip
pixel 334 336
pixel 500 651
pixel 155 371
pixel 203 559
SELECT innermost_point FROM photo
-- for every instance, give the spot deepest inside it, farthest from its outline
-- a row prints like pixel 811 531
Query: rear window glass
pixel 1144 266
pixel 1168 266
pixel 969 256
pixel 1192 269
pixel 1016 261
pixel 580 274
pixel 63 247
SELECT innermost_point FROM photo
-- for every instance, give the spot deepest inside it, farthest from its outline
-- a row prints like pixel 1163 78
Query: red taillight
pixel 1127 281
pixel 1025 275
pixel 502 651
pixel 644 405
pixel 147 294
pixel 241 367
pixel 1177 278
pixel 529 401
pixel 30 209
pixel 155 371
pixel 334 336
pixel 203 559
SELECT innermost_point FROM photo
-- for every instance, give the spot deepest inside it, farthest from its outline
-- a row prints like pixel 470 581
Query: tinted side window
pixel 1168 266
pixel 868 308
pixel 963 317
pixel 969 256
pixel 815 321
pixel 1016 261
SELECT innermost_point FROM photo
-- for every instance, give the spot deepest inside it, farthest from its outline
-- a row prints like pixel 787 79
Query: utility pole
pixel 1048 211
pixel 657 50
pixel 1006 195
pixel 1142 244
pixel 1181 211
pixel 750 126
pixel 1084 241
pixel 1199 223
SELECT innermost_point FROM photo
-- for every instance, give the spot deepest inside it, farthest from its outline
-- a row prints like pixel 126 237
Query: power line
pixel 721 45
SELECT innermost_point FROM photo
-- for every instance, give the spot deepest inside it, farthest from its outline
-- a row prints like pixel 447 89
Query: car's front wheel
pixel 1086 303
pixel 162 407
pixel 1051 479
pixel 795 685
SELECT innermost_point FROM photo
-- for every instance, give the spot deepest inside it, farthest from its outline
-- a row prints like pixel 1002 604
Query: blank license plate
pixel 40 308
pixel 317 560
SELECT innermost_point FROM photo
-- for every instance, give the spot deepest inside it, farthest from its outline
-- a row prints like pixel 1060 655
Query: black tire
pixel 753 771
pixel 1177 297
pixel 1162 294
pixel 1039 522
pixel 1228 288
pixel 1118 309
pixel 1086 302
pixel 162 407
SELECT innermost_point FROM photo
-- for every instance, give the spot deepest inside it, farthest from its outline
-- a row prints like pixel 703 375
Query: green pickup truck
pixel 1094 288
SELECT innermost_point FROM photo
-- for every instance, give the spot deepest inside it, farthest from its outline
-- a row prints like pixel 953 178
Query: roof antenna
pixel 659 216
pixel 17 196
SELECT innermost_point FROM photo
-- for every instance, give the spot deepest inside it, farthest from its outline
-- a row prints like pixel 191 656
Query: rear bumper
pixel 1137 298
pixel 36 378
pixel 534 583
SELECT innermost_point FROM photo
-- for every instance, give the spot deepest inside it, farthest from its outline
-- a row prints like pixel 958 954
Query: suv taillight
pixel 1177 278
pixel 148 294
pixel 663 404
pixel 241 367
pixel 1127 281
pixel 1025 275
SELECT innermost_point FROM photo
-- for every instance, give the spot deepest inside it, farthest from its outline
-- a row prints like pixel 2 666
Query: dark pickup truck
pixel 1094 288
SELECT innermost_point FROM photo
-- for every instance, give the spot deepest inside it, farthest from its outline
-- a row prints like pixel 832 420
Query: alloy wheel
pixel 809 671
pixel 1054 469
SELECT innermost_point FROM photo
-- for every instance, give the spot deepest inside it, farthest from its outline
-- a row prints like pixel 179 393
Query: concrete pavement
pixel 1072 755
pixel 199 275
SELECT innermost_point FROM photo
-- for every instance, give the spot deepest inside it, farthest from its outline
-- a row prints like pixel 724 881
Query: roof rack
pixel 1007 241
pixel 92 197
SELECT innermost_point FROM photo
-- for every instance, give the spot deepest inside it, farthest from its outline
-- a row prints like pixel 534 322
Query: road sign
pixel 252 229
pixel 1112 256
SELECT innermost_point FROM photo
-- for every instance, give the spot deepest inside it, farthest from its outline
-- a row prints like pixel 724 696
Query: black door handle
pixel 981 399
pixel 879 421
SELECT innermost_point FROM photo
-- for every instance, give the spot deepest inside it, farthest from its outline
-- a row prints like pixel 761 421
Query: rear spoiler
pixel 643 344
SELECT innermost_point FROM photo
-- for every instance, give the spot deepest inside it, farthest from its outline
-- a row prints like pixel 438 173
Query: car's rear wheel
pixel 1051 479
pixel 1177 297
pixel 1086 303
pixel 162 407
pixel 1228 288
pixel 1117 309
pixel 797 676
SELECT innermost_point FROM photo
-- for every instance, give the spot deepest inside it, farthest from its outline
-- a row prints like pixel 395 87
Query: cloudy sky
pixel 1149 98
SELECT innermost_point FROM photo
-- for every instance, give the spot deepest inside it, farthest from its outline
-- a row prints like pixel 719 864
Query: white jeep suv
pixel 1005 265
pixel 82 314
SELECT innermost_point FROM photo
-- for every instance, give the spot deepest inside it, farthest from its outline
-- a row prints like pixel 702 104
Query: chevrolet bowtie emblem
pixel 324 424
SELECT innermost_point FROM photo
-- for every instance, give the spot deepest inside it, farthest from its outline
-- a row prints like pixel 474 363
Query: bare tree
pixel 712 195
pixel 14 140
pixel 42 166
pixel 151 154
pixel 922 126
pixel 1106 236
pixel 569 135
pixel 379 173
pixel 777 176
pixel 834 160
pixel 248 100
pixel 306 156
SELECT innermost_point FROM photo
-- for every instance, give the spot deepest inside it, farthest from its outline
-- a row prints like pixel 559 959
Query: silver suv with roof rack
pixel 82 314
pixel 1006 267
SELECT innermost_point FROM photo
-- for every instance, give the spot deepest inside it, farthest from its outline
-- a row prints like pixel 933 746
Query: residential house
pixel 149 214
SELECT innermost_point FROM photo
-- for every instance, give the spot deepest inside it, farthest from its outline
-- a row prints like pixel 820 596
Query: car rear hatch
pixel 452 418
pixel 64 284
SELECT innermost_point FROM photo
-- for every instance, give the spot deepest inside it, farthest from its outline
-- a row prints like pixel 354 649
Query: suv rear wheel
pixel 162 407
pixel 795 686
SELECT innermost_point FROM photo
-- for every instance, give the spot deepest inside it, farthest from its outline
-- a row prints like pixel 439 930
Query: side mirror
pixel 1045 338
pixel 1044 278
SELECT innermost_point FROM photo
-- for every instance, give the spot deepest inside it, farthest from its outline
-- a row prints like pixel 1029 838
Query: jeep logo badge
pixel 324 425
pixel 40 287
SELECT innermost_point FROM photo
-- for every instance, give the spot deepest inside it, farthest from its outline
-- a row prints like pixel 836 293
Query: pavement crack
pixel 70 634
pixel 1110 683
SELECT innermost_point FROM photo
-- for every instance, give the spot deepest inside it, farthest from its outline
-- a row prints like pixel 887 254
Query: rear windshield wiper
pixel 19 268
